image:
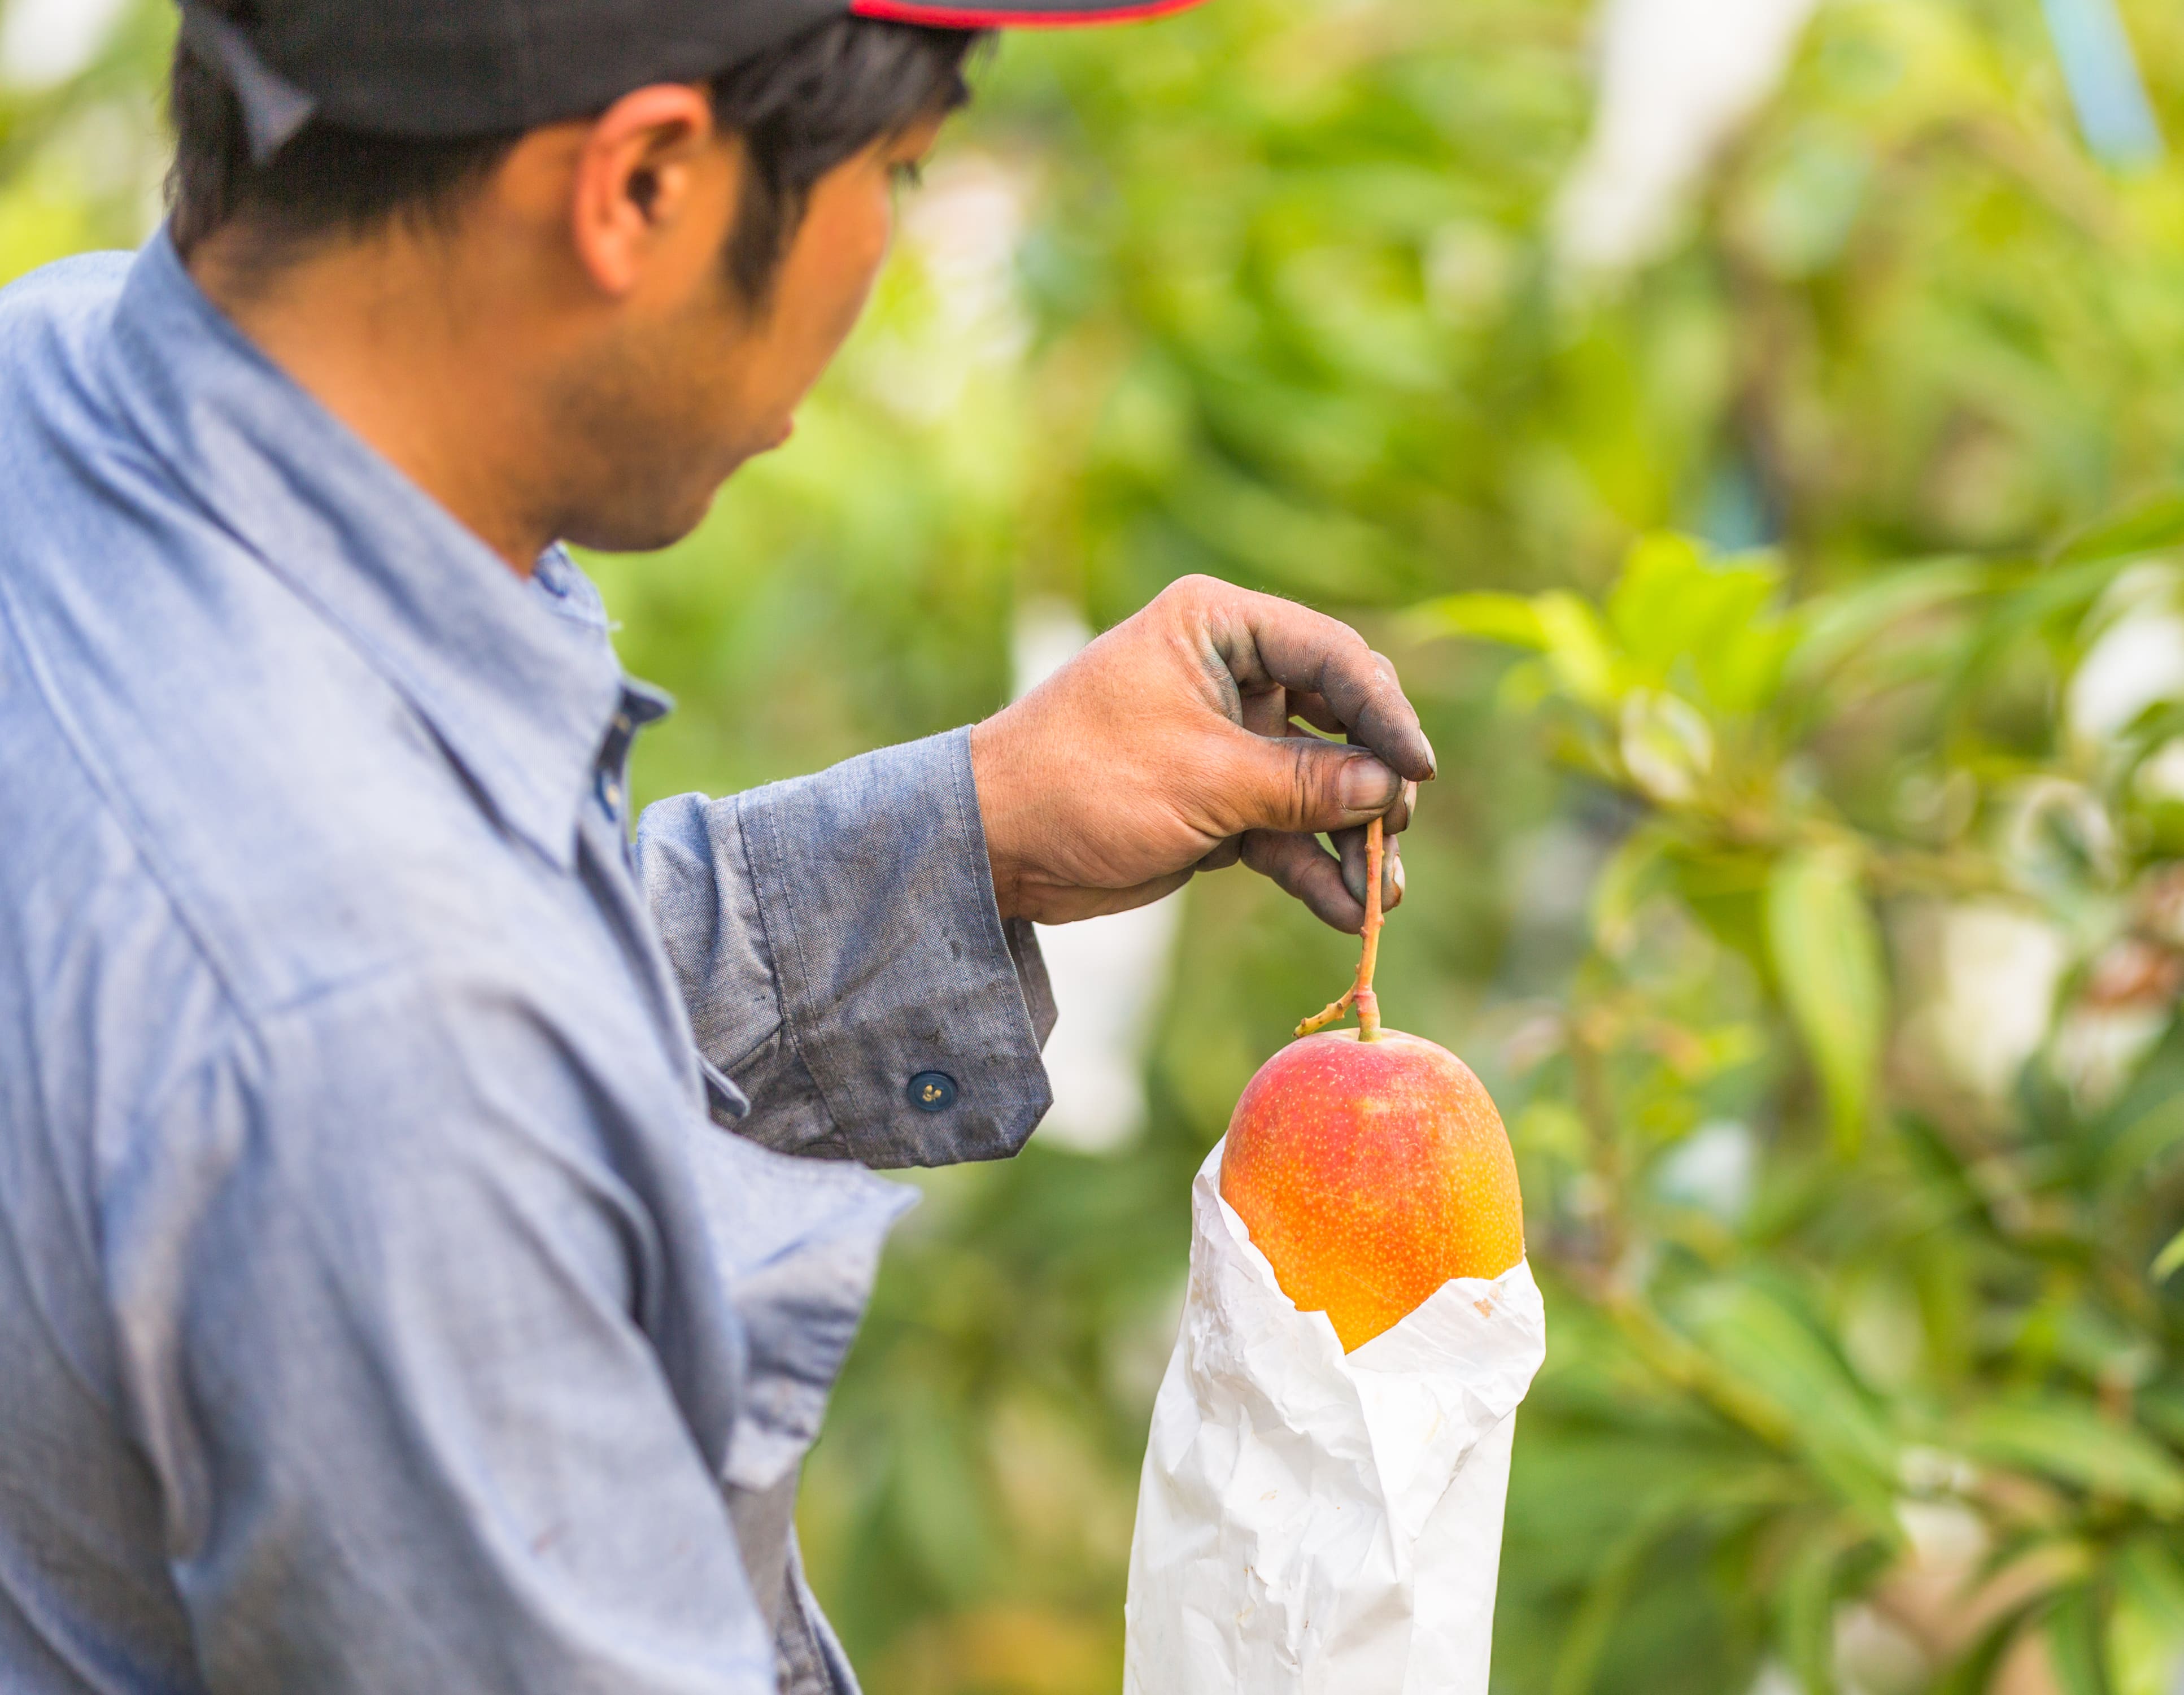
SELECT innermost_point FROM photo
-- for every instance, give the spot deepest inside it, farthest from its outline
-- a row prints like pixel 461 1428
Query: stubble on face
pixel 658 415
pixel 651 427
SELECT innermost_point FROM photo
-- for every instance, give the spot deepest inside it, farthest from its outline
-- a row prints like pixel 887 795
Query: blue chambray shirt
pixel 383 1305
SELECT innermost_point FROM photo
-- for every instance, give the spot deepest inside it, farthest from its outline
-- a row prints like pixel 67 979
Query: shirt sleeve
pixel 390 1333
pixel 837 942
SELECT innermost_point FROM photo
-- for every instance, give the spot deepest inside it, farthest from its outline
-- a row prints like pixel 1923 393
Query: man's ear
pixel 643 169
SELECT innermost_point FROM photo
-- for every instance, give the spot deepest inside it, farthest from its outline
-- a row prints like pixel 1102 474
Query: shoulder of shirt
pixel 250 856
pixel 81 282
pixel 288 898
pixel 301 816
pixel 301 821
pixel 47 316
pixel 123 947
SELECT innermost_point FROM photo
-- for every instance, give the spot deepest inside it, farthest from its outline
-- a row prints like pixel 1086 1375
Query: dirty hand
pixel 1167 748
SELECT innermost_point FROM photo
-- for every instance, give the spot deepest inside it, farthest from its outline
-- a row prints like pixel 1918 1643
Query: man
pixel 386 1304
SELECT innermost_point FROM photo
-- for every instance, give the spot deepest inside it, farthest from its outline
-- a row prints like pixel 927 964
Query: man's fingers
pixel 1050 903
pixel 1224 856
pixel 1313 711
pixel 1266 713
pixel 1395 820
pixel 1297 785
pixel 1350 846
pixel 1264 639
pixel 1299 866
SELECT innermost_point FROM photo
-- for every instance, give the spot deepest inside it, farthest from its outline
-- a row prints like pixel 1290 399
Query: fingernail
pixel 1395 873
pixel 1367 785
pixel 1433 765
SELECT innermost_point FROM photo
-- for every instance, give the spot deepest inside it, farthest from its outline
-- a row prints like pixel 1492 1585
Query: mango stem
pixel 1360 994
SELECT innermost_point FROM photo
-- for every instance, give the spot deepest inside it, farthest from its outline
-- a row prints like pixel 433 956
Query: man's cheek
pixel 851 309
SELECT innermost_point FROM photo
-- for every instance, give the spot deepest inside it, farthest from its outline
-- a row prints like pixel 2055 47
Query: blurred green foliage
pixel 1815 913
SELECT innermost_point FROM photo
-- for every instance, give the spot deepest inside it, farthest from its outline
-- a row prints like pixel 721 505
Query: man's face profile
pixel 688 377
pixel 570 352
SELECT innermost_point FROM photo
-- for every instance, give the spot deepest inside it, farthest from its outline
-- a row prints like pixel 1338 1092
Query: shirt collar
pixel 518 680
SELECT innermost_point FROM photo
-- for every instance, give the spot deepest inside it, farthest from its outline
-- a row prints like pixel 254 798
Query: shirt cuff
pixel 917 1012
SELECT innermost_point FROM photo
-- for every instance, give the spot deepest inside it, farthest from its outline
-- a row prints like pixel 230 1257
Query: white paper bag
pixel 1313 1523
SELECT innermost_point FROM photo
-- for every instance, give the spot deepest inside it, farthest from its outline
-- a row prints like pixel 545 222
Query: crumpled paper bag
pixel 1313 1523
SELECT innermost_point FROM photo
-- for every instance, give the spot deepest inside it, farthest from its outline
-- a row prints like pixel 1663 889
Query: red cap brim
pixel 985 14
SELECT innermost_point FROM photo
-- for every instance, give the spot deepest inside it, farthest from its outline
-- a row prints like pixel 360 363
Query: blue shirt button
pixel 932 1091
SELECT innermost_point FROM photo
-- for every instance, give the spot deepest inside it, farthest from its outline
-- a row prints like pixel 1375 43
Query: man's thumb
pixel 1309 785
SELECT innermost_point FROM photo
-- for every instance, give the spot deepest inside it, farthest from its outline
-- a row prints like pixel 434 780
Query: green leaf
pixel 1578 650
pixel 1561 625
pixel 1623 883
pixel 1302 543
pixel 1585 1639
pixel 1674 609
pixel 1836 627
pixel 1650 607
pixel 2076 1643
pixel 1507 618
pixel 2071 1443
pixel 1974 1673
pixel 2164 1263
pixel 2152 526
pixel 1805 1610
pixel 2051 600
pixel 1761 1335
pixel 1666 744
pixel 2146 1621
pixel 1827 955
pixel 1577 1659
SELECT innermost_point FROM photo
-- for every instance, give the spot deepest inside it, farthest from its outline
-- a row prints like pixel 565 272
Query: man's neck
pixel 382 333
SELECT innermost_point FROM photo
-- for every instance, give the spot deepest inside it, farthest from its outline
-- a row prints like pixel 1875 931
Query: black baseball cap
pixel 452 68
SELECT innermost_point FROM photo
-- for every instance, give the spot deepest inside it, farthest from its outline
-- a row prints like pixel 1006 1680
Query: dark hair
pixel 801 108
